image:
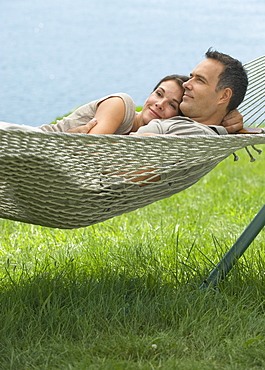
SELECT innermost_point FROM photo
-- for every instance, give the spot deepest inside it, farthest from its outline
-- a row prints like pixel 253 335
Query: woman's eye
pixel 158 93
pixel 173 106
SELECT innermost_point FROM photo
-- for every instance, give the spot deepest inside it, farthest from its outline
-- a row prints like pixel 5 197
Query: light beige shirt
pixel 180 126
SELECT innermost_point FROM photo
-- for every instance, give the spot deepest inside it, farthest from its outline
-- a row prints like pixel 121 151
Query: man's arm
pixel 84 129
pixel 233 121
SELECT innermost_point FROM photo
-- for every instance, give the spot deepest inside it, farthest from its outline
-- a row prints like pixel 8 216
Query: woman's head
pixel 177 78
pixel 165 99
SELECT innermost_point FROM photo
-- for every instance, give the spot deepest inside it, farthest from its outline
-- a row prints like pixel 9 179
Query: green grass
pixel 124 294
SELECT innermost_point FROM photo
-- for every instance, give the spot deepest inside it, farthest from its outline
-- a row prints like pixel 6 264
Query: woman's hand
pixel 83 129
pixel 233 121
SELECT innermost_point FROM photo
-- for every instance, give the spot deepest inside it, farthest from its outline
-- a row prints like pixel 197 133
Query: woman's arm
pixel 109 116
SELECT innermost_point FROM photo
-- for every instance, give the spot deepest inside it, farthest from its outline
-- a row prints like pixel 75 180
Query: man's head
pixel 216 86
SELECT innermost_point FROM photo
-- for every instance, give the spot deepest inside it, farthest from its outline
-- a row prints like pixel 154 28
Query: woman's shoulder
pixel 125 97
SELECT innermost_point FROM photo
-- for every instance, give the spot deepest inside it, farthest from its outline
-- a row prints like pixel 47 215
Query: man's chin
pixel 185 109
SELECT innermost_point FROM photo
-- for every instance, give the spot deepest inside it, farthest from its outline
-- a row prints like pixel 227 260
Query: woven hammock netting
pixel 70 181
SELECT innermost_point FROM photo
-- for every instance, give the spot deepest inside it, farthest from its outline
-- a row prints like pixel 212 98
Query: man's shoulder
pixel 179 125
pixel 185 126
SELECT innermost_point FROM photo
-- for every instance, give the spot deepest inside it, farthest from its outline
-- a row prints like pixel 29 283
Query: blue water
pixel 57 55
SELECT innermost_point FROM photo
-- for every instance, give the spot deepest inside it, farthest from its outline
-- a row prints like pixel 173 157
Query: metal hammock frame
pixel 69 181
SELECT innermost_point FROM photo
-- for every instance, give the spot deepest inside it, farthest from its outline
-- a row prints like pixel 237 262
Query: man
pixel 216 86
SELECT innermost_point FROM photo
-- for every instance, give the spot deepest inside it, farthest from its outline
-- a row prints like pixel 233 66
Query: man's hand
pixel 233 121
pixel 83 129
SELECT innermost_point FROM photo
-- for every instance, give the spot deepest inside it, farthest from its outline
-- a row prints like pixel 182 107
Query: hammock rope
pixel 253 106
pixel 70 181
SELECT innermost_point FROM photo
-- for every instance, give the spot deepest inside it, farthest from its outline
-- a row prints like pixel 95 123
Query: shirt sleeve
pixel 176 126
pixel 153 126
pixel 189 129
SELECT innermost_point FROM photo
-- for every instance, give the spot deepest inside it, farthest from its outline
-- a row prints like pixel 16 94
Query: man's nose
pixel 188 84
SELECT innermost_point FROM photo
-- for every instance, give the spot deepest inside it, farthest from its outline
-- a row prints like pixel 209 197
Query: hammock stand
pixel 236 251
pixel 70 181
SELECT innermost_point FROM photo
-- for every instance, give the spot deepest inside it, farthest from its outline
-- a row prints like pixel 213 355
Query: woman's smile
pixel 155 114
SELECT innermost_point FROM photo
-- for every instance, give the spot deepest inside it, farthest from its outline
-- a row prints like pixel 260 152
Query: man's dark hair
pixel 234 76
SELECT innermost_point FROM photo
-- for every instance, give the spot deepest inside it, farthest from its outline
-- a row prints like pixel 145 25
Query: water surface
pixel 57 55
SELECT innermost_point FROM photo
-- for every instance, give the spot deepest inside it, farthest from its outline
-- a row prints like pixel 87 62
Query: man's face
pixel 200 99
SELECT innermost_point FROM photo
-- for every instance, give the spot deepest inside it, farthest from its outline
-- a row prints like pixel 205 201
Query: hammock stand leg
pixel 236 251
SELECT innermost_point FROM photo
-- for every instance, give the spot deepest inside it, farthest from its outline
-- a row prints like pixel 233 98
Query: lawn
pixel 124 294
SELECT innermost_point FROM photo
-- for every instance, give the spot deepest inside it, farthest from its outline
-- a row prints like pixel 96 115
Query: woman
pixel 115 114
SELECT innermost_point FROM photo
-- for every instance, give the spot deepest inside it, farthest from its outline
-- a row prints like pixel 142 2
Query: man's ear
pixel 225 96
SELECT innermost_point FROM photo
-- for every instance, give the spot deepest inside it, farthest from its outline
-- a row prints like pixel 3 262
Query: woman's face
pixel 163 102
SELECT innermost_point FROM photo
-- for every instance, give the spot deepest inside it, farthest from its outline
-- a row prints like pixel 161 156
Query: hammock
pixel 70 181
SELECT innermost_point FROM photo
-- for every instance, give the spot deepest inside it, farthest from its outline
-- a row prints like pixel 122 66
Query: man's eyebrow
pixel 160 87
pixel 198 76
